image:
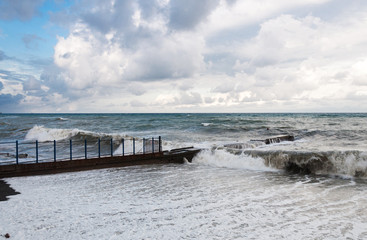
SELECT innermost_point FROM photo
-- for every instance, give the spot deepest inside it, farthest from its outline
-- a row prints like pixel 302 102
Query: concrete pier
pixel 166 157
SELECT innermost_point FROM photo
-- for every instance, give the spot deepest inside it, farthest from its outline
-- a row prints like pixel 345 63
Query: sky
pixel 153 56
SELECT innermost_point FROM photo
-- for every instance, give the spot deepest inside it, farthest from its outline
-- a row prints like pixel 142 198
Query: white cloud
pixel 192 98
pixel 228 16
pixel 224 87
pixel 137 104
pixel 89 60
pixel 208 56
pixel 292 58
pixel 176 55
pixel 31 84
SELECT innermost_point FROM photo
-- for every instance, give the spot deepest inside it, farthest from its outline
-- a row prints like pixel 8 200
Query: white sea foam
pixel 222 158
pixel 44 134
pixel 206 124
pixel 168 145
pixel 62 119
pixel 191 201
pixel 352 163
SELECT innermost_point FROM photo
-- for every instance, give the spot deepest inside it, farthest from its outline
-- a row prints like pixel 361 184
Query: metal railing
pixel 30 152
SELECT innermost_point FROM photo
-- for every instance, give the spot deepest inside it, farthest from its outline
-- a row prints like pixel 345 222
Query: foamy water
pixel 195 201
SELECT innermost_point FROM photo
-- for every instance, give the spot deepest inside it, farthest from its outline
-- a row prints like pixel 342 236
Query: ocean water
pixel 312 188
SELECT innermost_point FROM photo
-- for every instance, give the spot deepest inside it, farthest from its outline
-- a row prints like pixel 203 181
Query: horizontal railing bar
pixel 7 142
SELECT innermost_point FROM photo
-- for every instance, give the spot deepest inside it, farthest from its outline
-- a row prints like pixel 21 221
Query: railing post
pixel 54 150
pixel 111 147
pixel 36 151
pixel 143 145
pixel 71 149
pixel 152 144
pixel 160 143
pixel 99 148
pixel 133 146
pixel 85 148
pixel 123 147
pixel 16 151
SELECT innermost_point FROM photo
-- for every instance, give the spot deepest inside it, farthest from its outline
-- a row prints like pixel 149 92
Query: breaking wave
pixel 44 134
pixel 222 158
pixel 62 119
pixel 337 163
pixel 342 163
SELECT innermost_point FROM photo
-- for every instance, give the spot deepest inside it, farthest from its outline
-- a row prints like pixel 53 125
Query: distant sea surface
pixel 237 188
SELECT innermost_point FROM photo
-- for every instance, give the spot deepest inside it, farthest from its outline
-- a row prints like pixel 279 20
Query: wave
pixel 62 119
pixel 222 158
pixel 338 163
pixel 344 163
pixel 44 134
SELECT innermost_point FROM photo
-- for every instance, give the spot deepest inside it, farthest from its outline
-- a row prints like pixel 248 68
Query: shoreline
pixel 6 190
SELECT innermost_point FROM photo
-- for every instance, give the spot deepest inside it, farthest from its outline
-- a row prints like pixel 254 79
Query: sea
pixel 237 187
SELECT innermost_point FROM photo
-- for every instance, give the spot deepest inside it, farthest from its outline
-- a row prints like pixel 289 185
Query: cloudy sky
pixel 183 56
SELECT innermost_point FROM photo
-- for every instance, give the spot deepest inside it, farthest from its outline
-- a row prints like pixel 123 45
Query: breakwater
pixel 150 152
pixel 165 157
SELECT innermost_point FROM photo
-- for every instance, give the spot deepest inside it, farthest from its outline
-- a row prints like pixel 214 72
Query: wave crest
pixel 44 134
pixel 345 163
pixel 337 163
pixel 222 158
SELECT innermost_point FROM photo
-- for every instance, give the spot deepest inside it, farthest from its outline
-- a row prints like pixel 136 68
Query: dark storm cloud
pixel 187 14
pixel 23 10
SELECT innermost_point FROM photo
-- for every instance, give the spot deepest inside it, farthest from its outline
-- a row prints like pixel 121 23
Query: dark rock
pixel 6 190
